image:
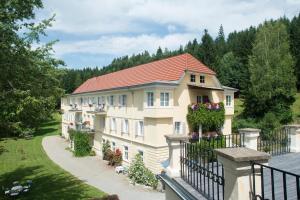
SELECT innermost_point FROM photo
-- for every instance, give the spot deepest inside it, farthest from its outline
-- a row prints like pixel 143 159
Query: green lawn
pixel 238 108
pixel 25 159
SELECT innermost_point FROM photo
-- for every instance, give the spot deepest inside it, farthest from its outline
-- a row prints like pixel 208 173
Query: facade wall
pixel 158 120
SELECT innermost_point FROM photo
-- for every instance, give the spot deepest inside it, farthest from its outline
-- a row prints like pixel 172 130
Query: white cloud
pixel 114 16
pixel 122 45
pixel 123 27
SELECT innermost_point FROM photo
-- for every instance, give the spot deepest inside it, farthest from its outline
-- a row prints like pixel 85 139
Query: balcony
pixel 75 108
pixel 98 110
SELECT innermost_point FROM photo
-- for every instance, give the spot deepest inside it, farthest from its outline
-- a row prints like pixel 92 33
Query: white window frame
pixel 140 128
pixel 113 124
pixel 125 126
pixel 150 99
pixel 125 153
pixel 192 78
pixel 177 127
pixel 202 79
pixel 164 101
pixel 228 100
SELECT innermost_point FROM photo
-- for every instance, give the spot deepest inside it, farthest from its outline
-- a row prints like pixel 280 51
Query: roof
pixel 165 70
pixel 229 88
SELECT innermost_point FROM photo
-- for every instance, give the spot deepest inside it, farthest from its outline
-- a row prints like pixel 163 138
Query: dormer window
pixel 202 79
pixel 193 78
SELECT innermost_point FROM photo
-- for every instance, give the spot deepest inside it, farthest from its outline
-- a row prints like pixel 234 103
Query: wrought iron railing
pixel 274 183
pixel 276 142
pixel 200 167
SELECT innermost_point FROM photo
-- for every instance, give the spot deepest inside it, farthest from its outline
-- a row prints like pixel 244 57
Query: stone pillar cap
pixel 176 137
pixel 249 130
pixel 242 154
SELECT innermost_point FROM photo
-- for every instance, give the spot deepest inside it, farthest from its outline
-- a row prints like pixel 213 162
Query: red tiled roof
pixel 169 69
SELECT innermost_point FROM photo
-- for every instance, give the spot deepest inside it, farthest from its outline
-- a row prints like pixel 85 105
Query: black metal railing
pixel 276 142
pixel 200 167
pixel 274 183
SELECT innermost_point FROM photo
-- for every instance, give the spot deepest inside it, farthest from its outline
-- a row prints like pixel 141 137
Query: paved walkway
pixel 96 172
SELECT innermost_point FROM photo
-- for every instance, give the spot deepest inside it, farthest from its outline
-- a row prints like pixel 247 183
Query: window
pixel 113 124
pixel 202 79
pixel 125 153
pixel 142 154
pixel 140 128
pixel 113 146
pixel 150 99
pixel 193 78
pixel 111 100
pixel 101 100
pixel 199 99
pixel 125 126
pixel 228 100
pixel 164 99
pixel 123 100
pixel 177 127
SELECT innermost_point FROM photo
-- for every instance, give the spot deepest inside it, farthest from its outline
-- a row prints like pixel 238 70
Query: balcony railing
pixel 98 109
pixel 75 108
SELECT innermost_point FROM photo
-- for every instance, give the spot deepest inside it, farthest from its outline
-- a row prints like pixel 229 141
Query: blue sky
pixel 93 32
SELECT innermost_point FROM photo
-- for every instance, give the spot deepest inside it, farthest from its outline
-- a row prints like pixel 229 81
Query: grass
pixel 238 108
pixel 25 159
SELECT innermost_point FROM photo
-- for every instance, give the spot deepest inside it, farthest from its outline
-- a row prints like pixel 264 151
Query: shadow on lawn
pixel 45 186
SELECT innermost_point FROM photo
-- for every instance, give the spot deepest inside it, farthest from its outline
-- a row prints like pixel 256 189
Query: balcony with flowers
pixel 205 119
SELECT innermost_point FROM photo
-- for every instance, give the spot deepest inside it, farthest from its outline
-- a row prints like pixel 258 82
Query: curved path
pixel 95 172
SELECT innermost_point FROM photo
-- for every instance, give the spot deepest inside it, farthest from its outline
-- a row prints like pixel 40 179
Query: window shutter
pixel 174 128
pixel 122 126
pixel 136 128
pixel 182 127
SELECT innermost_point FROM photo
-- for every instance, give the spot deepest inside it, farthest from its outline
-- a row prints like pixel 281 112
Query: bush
pixel 138 173
pixel 238 123
pixel 105 148
pixel 268 124
pixel 81 143
pixel 117 158
pixel 114 158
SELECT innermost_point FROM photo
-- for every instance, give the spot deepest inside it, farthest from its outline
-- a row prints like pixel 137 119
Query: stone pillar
pixel 173 168
pixel 250 137
pixel 238 171
pixel 295 137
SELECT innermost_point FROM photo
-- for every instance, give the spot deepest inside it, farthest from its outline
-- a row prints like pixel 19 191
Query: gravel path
pixel 95 172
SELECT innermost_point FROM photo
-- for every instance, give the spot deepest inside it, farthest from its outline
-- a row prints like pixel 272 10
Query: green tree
pixel 29 79
pixel 272 80
pixel 220 43
pixel 294 30
pixel 207 50
pixel 229 72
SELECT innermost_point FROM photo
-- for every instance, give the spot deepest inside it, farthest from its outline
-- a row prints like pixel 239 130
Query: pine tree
pixel 207 50
pixel 220 43
pixel 294 31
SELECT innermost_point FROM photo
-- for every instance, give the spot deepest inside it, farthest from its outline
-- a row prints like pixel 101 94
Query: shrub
pixel 138 173
pixel 109 154
pixel 210 115
pixel 114 158
pixel 268 124
pixel 81 143
pixel 117 158
pixel 238 123
pixel 105 148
